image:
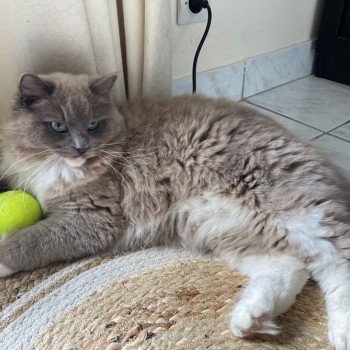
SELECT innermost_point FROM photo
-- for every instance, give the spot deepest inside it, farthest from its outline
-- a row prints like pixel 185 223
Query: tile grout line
pixel 338 137
pixel 285 116
pixel 336 127
pixel 278 86
pixel 317 136
pixel 323 133
pixel 243 82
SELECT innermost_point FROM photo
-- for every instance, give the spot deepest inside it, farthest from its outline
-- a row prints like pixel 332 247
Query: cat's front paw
pixel 5 271
pixel 249 317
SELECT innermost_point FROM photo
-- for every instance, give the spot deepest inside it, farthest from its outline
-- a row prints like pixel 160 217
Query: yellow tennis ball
pixel 18 210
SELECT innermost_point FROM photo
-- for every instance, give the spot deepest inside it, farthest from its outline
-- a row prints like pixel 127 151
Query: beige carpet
pixel 152 299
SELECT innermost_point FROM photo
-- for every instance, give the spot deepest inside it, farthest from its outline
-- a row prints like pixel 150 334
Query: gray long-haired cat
pixel 210 175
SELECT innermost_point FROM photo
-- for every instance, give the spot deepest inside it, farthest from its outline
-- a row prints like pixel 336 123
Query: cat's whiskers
pixel 112 144
pixel 129 164
pixel 22 170
pixel 44 166
pixel 52 166
pixel 21 160
pixel 19 186
pixel 106 162
pixel 124 152
pixel 145 173
pixel 119 144
pixel 21 153
pixel 131 155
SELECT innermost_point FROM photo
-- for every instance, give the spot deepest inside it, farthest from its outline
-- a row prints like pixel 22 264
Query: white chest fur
pixel 40 179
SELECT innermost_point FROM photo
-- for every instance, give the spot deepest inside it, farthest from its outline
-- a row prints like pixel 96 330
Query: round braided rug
pixel 181 304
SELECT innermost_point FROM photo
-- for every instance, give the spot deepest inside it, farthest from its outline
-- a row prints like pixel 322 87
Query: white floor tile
pixel 338 152
pixel 342 131
pixel 317 102
pixel 296 128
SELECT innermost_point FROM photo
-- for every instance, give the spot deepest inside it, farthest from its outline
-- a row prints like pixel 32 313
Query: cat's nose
pixel 81 150
pixel 80 143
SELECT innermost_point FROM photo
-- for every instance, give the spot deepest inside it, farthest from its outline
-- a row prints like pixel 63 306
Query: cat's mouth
pixel 75 162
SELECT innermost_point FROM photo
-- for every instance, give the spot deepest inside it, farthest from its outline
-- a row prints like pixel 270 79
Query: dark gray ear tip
pixel 29 76
pixel 24 78
pixel 112 78
pixel 114 75
pixel 103 84
pixel 31 85
pixel 28 79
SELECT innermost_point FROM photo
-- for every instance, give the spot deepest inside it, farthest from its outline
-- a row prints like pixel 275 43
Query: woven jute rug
pixel 152 299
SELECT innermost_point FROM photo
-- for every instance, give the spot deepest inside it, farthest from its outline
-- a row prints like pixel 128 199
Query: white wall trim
pixel 254 75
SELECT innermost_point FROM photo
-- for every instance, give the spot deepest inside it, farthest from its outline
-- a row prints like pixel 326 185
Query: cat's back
pixel 196 119
pixel 216 136
pixel 182 109
pixel 200 123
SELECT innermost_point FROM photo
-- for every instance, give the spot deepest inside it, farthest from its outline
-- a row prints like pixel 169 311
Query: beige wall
pixel 242 29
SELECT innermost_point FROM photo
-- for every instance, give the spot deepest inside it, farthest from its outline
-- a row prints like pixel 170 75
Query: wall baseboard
pixel 254 75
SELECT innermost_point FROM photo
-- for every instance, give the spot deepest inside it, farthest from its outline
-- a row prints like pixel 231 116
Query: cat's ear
pixel 102 86
pixel 31 87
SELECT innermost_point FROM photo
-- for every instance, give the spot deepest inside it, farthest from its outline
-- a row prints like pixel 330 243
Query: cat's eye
pixel 93 126
pixel 58 127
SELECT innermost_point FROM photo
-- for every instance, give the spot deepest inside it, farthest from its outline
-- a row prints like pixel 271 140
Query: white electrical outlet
pixel 185 16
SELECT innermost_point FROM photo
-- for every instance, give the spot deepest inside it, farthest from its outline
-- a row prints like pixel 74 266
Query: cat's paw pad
pixel 5 271
pixel 247 319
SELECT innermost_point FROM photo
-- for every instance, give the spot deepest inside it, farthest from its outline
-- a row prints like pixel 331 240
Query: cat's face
pixel 70 118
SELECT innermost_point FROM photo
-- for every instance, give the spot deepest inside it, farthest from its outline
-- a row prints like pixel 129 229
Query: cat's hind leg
pixel 274 284
pixel 325 239
pixel 332 272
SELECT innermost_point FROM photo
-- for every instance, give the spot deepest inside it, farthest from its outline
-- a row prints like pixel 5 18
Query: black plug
pixel 197 6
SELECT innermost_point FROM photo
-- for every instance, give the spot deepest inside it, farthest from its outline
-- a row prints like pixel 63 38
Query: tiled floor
pixel 315 109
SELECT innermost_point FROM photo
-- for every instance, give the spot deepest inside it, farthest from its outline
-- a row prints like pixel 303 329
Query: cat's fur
pixel 210 175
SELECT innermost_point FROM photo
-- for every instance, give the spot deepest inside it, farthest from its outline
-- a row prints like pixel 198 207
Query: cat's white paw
pixel 339 332
pixel 340 339
pixel 5 271
pixel 252 316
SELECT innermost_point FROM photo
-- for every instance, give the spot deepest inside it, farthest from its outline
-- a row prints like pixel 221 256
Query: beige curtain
pixel 148 50
pixel 131 37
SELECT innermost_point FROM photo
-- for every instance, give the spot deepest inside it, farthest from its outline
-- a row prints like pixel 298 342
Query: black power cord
pixel 196 6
